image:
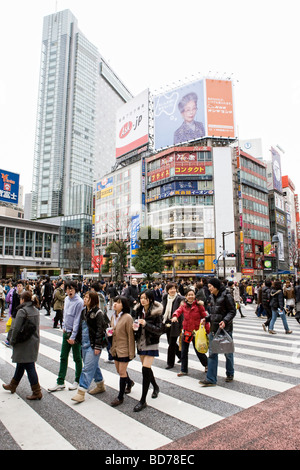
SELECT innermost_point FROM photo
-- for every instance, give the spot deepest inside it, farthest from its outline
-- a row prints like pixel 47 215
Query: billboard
pixel 200 109
pixel 276 170
pixel 105 187
pixel 132 124
pixel 9 187
pixel 135 227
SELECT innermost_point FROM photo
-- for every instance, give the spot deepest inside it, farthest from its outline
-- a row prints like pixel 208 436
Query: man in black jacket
pixel 222 313
pixel 132 294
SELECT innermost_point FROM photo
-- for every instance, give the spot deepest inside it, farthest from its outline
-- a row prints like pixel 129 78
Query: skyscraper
pixel 78 97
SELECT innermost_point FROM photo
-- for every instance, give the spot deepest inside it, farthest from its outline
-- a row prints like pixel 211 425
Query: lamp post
pixel 275 242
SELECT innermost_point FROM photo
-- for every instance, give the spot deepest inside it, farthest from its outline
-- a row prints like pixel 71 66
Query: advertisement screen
pixel 9 187
pixel 199 109
pixel 132 124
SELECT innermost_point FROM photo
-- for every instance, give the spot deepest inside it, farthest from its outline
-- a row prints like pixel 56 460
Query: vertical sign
pixel 135 226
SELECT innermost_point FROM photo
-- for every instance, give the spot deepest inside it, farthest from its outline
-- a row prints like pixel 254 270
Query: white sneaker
pixel 74 386
pixel 56 388
pixel 107 361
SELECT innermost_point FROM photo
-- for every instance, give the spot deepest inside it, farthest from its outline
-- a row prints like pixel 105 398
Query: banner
pixel 9 187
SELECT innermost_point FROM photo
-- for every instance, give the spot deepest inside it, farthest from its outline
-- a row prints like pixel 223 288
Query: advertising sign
pixel 9 187
pixel 276 167
pixel 200 109
pixel 105 187
pixel 135 226
pixel 132 124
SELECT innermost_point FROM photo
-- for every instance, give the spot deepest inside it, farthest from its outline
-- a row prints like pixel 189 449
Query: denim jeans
pixel 31 372
pixel 184 356
pixel 91 369
pixel 274 318
pixel 64 356
pixel 212 370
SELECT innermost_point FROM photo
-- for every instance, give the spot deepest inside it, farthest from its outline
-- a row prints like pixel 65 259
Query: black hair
pixel 124 301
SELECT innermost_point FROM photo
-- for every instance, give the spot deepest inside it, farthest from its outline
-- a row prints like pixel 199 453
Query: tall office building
pixel 78 98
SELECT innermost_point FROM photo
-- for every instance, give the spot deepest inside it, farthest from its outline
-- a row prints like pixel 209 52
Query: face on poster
pixel 179 116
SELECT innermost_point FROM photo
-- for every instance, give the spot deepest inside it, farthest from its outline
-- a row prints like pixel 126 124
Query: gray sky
pixel 159 45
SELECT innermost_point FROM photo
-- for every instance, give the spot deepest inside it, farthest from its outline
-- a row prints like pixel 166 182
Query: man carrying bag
pixel 222 312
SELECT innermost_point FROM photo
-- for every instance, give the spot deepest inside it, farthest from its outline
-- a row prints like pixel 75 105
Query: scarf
pixel 168 311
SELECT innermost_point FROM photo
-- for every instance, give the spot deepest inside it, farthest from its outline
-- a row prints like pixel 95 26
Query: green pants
pixel 64 356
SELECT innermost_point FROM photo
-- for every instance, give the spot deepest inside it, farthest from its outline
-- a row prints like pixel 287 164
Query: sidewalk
pixel 273 424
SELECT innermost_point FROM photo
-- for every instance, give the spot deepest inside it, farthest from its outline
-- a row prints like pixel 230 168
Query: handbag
pixel 222 343
pixel 26 331
pixel 187 336
pixel 8 325
pixel 201 340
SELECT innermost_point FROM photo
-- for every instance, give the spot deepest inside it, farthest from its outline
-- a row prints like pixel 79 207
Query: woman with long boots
pixel 123 345
pixel 149 316
pixel 25 353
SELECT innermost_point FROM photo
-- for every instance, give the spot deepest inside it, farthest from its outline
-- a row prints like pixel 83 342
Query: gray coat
pixel 27 351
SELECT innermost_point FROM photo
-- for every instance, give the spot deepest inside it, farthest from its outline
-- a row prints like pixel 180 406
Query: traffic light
pixel 231 255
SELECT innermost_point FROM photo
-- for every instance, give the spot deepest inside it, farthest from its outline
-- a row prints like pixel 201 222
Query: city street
pixel 265 367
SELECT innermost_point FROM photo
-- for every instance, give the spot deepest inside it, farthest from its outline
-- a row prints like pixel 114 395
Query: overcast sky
pixel 158 45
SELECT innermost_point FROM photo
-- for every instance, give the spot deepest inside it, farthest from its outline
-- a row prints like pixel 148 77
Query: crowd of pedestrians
pixel 128 319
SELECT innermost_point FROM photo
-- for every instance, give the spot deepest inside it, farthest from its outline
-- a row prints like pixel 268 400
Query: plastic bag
pixel 201 340
pixel 8 325
pixel 222 343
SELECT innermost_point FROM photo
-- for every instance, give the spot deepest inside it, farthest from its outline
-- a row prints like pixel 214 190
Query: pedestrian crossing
pixel 265 365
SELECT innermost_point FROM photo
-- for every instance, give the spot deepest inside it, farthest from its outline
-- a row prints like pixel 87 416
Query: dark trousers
pixel 58 318
pixel 173 349
pixel 269 315
pixel 31 372
pixel 184 355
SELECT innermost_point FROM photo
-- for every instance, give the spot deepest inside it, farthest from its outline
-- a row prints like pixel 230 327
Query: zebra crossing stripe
pixel 110 420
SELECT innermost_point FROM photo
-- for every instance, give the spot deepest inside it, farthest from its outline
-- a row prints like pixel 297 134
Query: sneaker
pixel 206 383
pixel 6 343
pixel 108 361
pixel 181 374
pixel 288 332
pixel 56 388
pixel 272 332
pixel 74 386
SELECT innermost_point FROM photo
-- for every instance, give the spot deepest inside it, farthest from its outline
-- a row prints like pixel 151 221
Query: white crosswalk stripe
pixel 264 366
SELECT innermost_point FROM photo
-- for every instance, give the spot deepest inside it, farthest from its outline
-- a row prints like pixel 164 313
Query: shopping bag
pixel 8 325
pixel 222 343
pixel 201 340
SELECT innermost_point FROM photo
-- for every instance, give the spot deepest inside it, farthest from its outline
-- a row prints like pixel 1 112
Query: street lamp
pixel 275 242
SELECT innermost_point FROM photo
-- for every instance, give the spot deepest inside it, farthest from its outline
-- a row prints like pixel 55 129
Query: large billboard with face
pixel 200 109
pixel 9 186
pixel 132 124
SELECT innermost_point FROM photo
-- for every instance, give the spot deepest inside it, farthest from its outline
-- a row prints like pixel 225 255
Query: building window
pixel 9 241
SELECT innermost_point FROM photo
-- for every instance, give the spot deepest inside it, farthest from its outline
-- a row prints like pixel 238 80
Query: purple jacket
pixel 8 299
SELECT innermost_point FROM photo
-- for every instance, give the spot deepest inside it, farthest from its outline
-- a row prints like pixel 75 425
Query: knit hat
pixel 215 282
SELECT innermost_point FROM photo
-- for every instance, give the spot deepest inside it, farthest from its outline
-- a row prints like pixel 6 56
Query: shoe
pixel 6 343
pixel 243 316
pixel 129 387
pixel 181 374
pixel 206 383
pixel 272 332
pixel 100 388
pixel 36 392
pixel 116 402
pixel 11 386
pixel 140 406
pixel 108 361
pixel 80 396
pixel 155 392
pixel 73 386
pixel 206 369
pixel 56 388
pixel 169 367
pixel 229 378
pixel 288 332
pixel 179 361
pixel 264 327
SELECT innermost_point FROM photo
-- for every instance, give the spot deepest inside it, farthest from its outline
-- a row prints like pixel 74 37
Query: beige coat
pixel 123 342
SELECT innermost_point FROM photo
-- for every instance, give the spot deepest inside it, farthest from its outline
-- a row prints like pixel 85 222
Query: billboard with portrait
pixel 9 187
pixel 200 109
pixel 276 170
pixel 132 124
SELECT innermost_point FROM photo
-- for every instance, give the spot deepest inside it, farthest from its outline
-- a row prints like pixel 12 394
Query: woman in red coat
pixel 193 311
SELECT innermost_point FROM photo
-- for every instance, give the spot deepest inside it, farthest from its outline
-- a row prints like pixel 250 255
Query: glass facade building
pixel 78 98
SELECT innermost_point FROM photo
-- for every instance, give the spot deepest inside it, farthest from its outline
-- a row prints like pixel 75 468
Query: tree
pixel 119 261
pixel 149 258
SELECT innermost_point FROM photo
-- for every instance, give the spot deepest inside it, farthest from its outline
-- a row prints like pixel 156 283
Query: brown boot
pixel 11 386
pixel 100 388
pixel 36 392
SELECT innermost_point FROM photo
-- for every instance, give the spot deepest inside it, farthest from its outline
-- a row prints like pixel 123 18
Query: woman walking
pixel 149 316
pixel 25 353
pixel 277 304
pixel 123 345
pixel 192 312
pixel 58 304
pixel 91 334
pixel 171 302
